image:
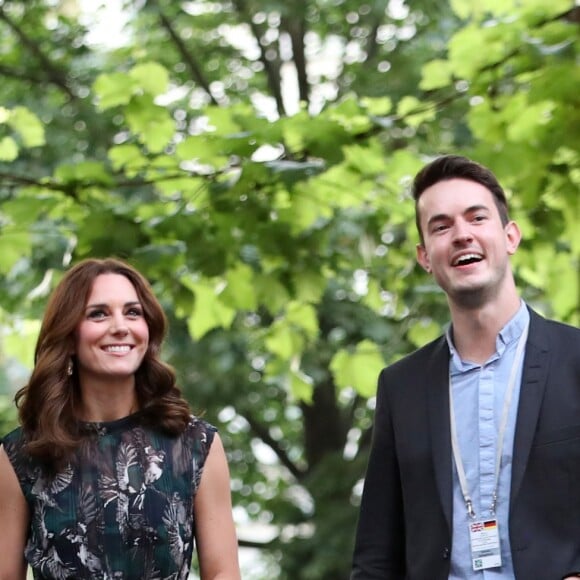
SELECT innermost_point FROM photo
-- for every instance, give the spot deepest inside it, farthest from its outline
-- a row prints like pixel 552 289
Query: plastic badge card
pixel 485 547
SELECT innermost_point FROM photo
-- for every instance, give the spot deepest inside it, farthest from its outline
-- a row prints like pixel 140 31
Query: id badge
pixel 485 547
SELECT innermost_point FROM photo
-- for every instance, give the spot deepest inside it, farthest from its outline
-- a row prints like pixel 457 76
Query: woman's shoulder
pixel 200 423
pixel 14 438
pixel 197 433
pixel 200 429
pixel 13 444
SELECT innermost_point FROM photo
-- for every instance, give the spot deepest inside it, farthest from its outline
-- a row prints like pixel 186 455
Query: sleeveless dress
pixel 122 510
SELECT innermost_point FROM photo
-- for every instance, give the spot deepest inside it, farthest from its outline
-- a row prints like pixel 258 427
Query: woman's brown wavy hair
pixel 48 402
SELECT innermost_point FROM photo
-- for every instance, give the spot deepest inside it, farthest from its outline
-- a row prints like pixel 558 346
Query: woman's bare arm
pixel 217 544
pixel 14 521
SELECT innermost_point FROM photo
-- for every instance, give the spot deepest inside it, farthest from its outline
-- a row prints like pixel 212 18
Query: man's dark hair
pixel 457 167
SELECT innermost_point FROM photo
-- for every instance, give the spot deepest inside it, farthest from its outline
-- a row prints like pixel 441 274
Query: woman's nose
pixel 119 324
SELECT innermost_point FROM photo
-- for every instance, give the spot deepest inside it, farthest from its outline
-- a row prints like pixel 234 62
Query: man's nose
pixel 461 232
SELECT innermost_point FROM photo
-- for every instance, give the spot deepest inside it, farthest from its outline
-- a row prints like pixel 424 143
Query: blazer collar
pixel 534 379
pixel 437 373
pixel 534 376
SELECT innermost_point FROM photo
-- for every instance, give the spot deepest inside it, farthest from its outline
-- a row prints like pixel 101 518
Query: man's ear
pixel 423 258
pixel 513 237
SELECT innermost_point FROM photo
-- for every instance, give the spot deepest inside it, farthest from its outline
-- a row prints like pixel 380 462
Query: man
pixel 474 471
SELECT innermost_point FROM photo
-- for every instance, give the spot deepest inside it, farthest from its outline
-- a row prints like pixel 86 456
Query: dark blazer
pixel 404 528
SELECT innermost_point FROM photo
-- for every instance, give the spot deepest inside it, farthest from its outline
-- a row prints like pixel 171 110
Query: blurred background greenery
pixel 252 158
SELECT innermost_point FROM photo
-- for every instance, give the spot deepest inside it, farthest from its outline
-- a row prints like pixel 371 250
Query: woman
pixel 109 474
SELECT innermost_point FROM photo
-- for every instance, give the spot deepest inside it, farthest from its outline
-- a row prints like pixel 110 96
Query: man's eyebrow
pixel 477 207
pixel 438 217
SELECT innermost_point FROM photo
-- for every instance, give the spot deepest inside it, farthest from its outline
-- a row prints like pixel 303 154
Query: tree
pixel 279 235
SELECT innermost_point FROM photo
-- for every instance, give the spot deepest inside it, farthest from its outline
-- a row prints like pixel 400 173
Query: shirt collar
pixel 509 333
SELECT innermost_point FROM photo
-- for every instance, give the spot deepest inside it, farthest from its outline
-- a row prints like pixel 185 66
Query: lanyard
pixel 502 429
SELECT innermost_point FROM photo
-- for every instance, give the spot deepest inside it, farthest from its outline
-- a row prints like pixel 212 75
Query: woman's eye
pixel 134 312
pixel 96 314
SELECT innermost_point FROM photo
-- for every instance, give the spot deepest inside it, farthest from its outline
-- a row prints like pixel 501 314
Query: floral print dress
pixel 122 510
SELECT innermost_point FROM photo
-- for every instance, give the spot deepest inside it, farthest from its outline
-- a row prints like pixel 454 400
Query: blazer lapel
pixel 534 377
pixel 437 373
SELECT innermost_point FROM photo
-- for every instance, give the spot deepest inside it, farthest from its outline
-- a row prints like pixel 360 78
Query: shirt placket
pixel 487 440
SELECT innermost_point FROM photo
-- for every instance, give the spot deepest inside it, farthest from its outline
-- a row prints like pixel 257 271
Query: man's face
pixel 465 247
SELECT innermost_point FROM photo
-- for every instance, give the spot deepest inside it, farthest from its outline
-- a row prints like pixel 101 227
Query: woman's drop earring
pixel 69 368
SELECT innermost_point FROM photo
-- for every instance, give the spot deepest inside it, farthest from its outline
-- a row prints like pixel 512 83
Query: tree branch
pixel 372 48
pixel 21 75
pixel 191 63
pixel 296 29
pixel 254 544
pixel 324 427
pixel 272 71
pixel 71 188
pixel 10 180
pixel 56 76
pixel 262 432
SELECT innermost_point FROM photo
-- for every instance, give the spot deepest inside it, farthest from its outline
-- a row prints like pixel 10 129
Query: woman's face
pixel 112 337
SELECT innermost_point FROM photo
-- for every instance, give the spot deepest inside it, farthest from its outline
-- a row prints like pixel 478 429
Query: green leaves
pixel 468 9
pixel 88 172
pixel 436 74
pixel 530 120
pixel 118 88
pixel 19 339
pixel 209 312
pixel 151 123
pixel 414 112
pixel 423 331
pixel 136 90
pixel 8 149
pixel 284 341
pixel 239 291
pixel 358 369
pixel 14 245
pixel 473 48
pixel 28 132
pixel 128 158
pixel 114 89
pixel 27 125
pixel 151 77
pixel 282 246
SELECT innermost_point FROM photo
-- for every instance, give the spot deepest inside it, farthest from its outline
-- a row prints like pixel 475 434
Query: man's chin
pixel 471 298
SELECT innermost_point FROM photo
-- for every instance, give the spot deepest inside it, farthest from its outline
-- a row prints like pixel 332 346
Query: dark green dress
pixel 123 510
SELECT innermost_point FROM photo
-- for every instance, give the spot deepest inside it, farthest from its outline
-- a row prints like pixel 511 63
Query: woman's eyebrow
pixel 104 305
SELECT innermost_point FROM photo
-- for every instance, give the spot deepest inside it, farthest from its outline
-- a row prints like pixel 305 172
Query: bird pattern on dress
pixel 122 509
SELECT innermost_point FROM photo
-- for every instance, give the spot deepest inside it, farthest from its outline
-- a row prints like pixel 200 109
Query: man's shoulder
pixel 553 329
pixel 563 329
pixel 419 359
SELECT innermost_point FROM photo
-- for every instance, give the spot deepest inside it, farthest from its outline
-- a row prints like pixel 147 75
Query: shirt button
pixel 445 553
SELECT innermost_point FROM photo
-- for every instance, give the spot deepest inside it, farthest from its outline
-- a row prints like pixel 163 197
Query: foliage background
pixel 252 158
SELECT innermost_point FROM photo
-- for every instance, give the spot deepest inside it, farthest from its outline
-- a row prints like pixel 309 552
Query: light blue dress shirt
pixel 478 400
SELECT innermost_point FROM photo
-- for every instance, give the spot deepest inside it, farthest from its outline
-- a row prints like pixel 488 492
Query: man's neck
pixel 475 331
